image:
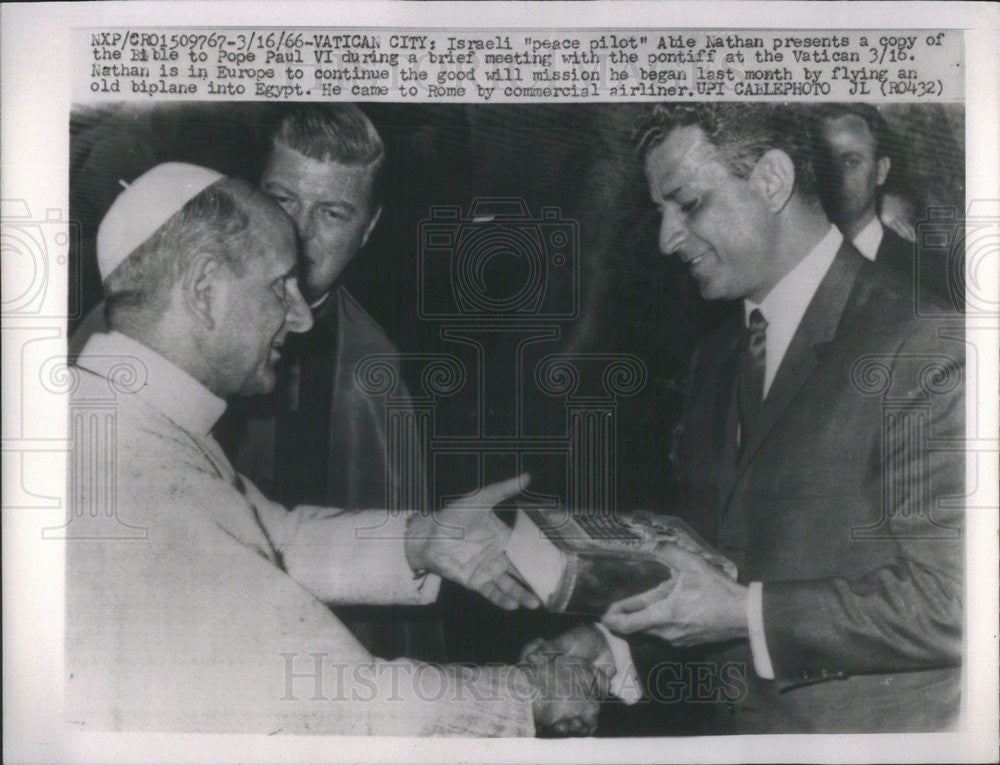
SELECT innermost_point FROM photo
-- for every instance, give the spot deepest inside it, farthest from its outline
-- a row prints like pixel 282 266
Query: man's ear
pixel 200 288
pixel 371 226
pixel 774 175
pixel 882 168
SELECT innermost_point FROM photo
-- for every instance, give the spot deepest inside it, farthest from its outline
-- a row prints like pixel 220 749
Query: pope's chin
pixel 263 382
pixel 312 294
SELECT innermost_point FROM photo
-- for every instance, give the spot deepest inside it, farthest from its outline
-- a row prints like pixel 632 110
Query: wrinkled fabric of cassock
pixel 323 439
pixel 196 604
pixel 331 437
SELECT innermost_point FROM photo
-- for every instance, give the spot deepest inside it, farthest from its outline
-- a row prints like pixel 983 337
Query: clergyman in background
pixel 319 438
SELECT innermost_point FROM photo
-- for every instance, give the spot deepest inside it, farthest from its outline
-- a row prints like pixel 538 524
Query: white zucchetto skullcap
pixel 144 206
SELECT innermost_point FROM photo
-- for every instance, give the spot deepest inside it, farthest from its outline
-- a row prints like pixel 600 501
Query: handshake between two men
pixel 696 602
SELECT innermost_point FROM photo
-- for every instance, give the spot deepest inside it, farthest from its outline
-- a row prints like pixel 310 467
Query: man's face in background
pixel 331 205
pixel 856 171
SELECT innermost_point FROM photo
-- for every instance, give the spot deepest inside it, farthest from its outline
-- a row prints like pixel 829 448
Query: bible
pixel 581 563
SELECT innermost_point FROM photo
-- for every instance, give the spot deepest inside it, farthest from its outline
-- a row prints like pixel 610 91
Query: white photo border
pixel 36 100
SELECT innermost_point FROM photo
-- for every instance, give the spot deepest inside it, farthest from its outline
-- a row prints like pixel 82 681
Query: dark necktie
pixel 751 382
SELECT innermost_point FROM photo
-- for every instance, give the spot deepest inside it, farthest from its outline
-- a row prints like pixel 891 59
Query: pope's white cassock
pixel 218 620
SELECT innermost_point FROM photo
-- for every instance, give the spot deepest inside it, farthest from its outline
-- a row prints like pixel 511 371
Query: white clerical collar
pixel 786 303
pixel 869 238
pixel 165 387
pixel 319 302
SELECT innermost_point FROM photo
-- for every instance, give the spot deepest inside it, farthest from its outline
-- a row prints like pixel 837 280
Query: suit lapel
pixel 895 252
pixel 815 331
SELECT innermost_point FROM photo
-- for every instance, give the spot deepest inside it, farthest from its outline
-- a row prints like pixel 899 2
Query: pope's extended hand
pixel 698 604
pixel 584 641
pixel 465 542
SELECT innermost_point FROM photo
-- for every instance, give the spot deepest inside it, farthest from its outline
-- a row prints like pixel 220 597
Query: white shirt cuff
pixel 755 622
pixel 625 683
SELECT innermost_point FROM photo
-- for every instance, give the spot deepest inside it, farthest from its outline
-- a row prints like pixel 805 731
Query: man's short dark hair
pixel 335 133
pixel 741 133
pixel 217 220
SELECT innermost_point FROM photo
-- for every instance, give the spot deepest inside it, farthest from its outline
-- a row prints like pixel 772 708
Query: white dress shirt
pixel 869 238
pixel 786 303
pixel 783 308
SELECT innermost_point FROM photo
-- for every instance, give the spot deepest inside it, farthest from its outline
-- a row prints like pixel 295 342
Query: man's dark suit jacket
pixel 895 252
pixel 846 504
pixel 935 274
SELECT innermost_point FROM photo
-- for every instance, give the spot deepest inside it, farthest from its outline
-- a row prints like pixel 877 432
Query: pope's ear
pixel 774 176
pixel 200 288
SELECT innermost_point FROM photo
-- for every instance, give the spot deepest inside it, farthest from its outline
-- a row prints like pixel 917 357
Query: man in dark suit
pixel 820 448
pixel 855 171
pixel 856 168
pixel 323 168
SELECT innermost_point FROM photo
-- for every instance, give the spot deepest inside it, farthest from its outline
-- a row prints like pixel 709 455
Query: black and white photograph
pixel 651 411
